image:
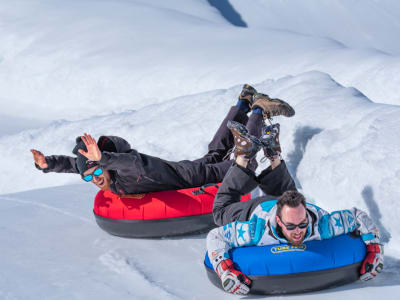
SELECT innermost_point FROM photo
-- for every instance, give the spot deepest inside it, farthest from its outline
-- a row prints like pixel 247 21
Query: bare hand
pixel 93 151
pixel 39 159
pixel 242 161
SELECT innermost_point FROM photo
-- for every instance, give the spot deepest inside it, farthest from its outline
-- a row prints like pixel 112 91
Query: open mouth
pixel 100 182
pixel 297 237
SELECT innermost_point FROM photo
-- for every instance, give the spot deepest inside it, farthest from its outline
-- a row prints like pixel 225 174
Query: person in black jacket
pixel 111 163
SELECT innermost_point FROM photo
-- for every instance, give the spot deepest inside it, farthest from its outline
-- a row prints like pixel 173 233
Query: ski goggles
pixel 291 227
pixel 96 172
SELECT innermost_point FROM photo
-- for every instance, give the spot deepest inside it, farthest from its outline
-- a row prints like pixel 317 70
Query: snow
pixel 163 75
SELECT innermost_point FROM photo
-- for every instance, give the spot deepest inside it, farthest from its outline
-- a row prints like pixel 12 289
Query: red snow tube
pixel 167 213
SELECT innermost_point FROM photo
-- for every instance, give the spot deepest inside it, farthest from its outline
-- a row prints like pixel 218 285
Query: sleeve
pixel 121 161
pixel 345 221
pixel 60 164
pixel 227 207
pixel 236 234
pixel 277 181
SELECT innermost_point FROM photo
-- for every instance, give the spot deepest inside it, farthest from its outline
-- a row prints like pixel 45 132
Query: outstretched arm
pixel 344 221
pixel 54 163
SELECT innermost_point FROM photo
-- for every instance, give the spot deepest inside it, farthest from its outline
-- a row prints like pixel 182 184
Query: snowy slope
pixel 162 74
pixel 52 249
pixel 367 24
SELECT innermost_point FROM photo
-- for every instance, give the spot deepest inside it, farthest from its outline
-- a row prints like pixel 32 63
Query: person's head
pixel 90 170
pixel 99 176
pixel 291 216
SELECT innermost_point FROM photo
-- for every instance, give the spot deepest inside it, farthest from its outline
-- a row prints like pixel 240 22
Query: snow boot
pixel 244 142
pixel 247 93
pixel 270 141
pixel 272 107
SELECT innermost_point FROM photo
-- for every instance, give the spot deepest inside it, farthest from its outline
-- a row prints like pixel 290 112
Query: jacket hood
pixel 112 143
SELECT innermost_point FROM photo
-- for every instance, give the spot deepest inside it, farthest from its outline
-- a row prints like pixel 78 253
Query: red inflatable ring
pixel 167 213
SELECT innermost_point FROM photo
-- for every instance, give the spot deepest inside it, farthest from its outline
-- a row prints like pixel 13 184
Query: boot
pixel 244 142
pixel 272 107
pixel 247 93
pixel 270 141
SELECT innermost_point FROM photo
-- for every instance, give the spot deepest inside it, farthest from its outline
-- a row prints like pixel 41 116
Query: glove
pixel 373 262
pixel 233 281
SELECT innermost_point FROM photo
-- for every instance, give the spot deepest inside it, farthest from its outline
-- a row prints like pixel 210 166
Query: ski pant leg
pixel 196 174
pixel 222 141
pixel 254 125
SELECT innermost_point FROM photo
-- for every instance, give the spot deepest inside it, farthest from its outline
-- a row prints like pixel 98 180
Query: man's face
pixel 293 216
pixel 101 181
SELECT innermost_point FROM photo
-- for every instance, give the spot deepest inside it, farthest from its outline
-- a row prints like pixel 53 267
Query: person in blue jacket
pixel 288 219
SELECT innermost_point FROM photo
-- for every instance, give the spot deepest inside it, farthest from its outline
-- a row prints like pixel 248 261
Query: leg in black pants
pixel 212 168
pixel 222 141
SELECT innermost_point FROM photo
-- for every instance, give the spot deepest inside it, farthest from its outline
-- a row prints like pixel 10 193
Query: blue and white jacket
pixel 262 229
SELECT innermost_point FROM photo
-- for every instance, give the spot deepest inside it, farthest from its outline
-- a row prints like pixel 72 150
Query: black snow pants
pixel 153 174
pixel 212 167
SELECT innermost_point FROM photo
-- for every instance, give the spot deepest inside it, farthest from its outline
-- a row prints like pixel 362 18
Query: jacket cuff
pixel 265 175
pixel 104 159
pixel 45 170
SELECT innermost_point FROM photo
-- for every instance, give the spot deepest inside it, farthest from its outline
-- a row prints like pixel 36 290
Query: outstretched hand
pixel 39 159
pixel 93 151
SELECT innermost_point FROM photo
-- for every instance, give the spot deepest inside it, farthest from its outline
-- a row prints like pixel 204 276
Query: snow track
pixel 134 272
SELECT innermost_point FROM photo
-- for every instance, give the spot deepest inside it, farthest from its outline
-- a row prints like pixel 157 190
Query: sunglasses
pixel 291 227
pixel 96 172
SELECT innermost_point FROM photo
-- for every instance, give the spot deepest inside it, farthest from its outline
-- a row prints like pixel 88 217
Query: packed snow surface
pixel 163 74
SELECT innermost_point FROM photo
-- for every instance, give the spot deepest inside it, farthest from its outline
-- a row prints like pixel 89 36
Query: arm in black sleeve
pixel 227 206
pixel 122 161
pixel 277 181
pixel 60 164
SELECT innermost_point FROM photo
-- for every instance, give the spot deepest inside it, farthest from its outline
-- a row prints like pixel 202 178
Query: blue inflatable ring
pixel 286 269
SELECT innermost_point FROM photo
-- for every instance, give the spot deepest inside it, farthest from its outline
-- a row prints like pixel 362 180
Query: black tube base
pixel 297 283
pixel 157 228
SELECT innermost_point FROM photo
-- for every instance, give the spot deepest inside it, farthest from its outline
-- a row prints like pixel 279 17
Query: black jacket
pixel 133 172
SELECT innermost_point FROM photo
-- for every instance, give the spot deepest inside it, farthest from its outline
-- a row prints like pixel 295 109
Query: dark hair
pixel 291 199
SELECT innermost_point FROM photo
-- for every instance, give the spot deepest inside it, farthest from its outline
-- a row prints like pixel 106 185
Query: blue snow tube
pixel 286 269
